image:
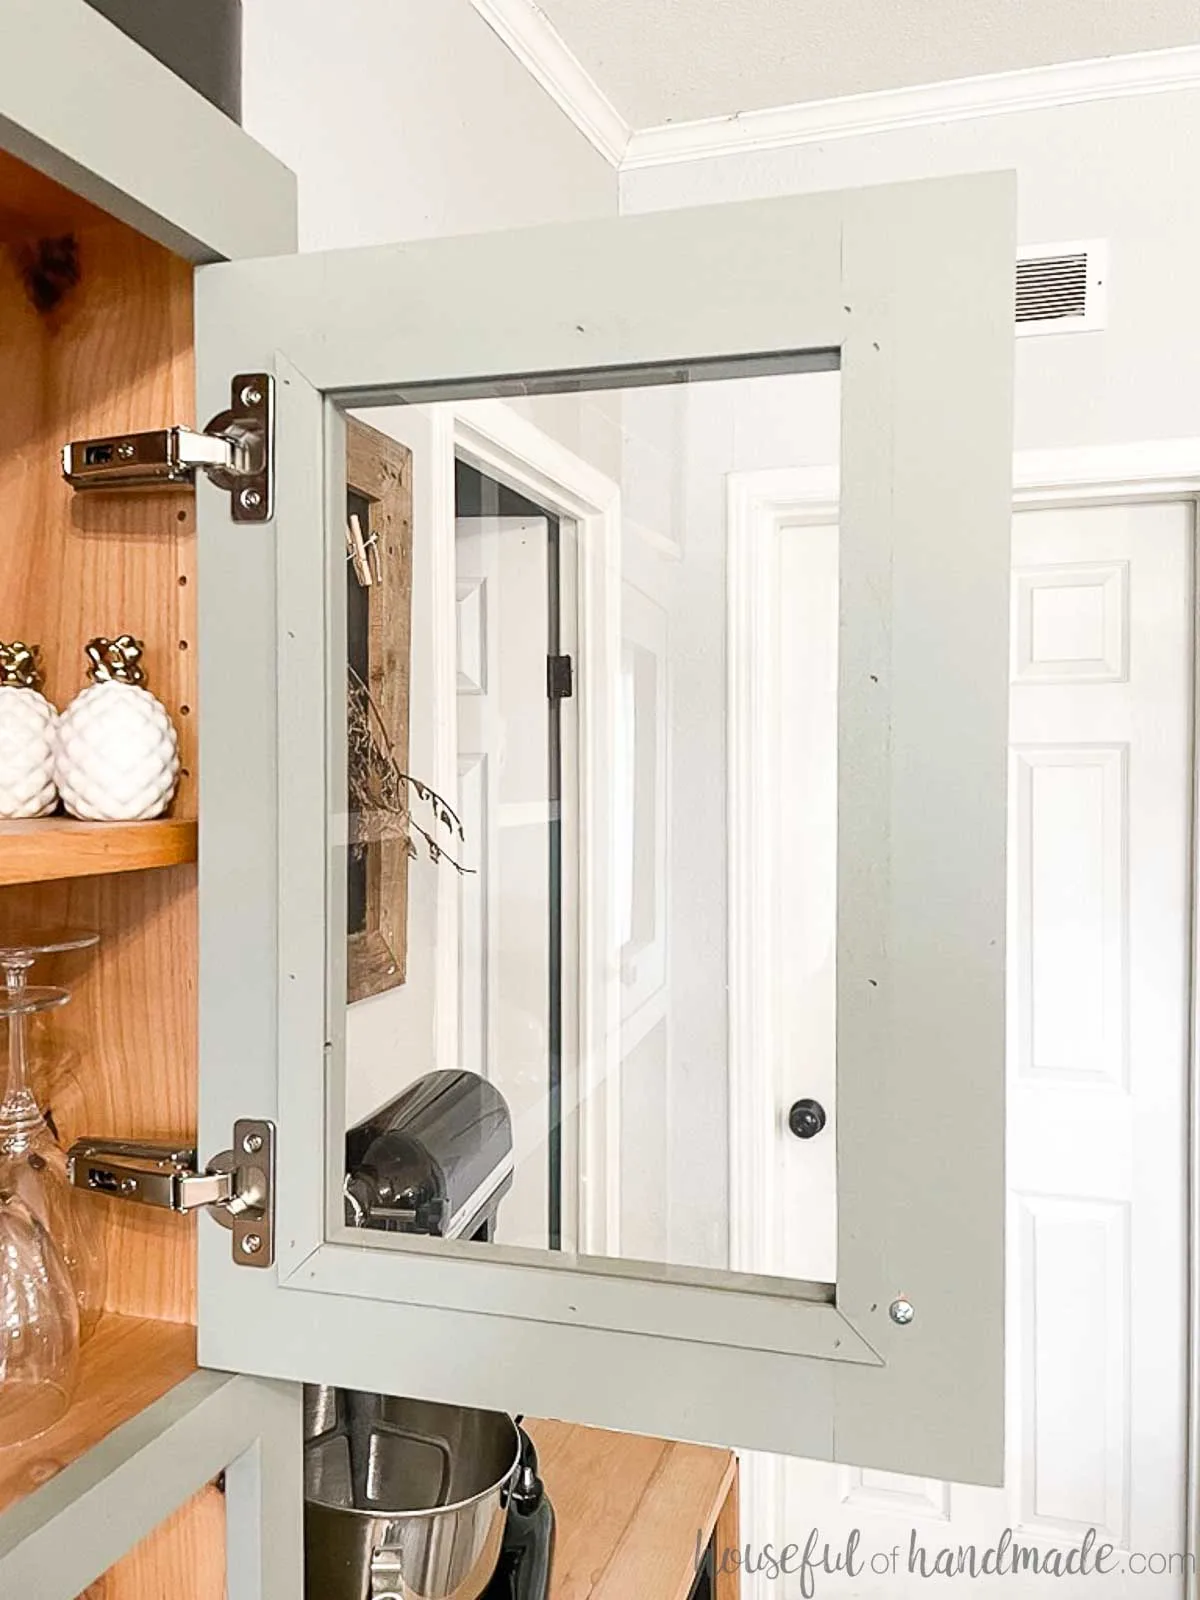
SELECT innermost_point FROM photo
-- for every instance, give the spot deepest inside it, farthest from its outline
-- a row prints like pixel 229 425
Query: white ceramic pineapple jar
pixel 26 736
pixel 116 751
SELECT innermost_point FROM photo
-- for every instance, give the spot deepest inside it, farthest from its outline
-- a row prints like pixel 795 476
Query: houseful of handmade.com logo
pixel 815 1561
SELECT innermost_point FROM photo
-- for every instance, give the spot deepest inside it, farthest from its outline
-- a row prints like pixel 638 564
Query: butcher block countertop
pixel 631 1512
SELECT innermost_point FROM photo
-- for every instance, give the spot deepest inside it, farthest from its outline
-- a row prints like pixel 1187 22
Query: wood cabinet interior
pixel 96 338
pixel 184 1557
pixel 128 1364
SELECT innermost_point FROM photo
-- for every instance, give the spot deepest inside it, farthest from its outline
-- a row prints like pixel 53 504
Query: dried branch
pixel 380 789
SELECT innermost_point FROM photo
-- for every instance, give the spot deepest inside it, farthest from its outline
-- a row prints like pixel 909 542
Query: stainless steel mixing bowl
pixel 404 1499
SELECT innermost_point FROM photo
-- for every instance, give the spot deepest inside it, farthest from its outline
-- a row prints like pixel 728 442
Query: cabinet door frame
pixel 66 1534
pixel 908 289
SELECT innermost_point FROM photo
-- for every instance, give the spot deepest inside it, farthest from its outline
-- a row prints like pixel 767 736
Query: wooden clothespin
pixel 357 551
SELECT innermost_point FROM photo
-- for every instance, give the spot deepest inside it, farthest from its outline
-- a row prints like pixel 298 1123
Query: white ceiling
pixel 680 60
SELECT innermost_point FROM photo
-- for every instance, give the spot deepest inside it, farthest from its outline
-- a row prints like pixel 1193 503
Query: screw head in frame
pixel 250 499
pixel 252 1143
pixel 251 395
pixel 126 451
pixel 252 1244
pixel 902 1312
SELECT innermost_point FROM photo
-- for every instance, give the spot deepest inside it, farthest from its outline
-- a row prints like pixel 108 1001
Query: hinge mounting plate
pixel 237 1188
pixel 236 451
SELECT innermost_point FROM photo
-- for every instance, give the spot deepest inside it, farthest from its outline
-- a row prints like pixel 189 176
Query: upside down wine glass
pixel 39 1324
pixel 49 1269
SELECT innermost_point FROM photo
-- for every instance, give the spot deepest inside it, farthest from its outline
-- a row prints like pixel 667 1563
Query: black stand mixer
pixel 523 1572
pixel 408 1498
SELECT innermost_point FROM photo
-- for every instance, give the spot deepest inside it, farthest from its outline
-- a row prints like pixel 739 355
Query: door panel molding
pixel 1084 1245
pixel 1086 870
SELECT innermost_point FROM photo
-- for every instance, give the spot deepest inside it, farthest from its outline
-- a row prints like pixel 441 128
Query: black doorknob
pixel 806 1118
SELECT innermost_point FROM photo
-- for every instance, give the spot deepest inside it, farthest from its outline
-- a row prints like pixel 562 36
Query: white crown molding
pixel 526 30
pixel 1032 89
pixel 529 34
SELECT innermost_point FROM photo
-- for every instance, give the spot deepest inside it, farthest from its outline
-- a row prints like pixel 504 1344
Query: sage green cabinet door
pixel 502 711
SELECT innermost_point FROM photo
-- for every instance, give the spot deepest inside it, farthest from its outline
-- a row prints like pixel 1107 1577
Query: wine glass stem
pixel 19 1107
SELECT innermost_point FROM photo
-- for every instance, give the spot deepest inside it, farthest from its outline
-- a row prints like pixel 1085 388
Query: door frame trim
pixel 758 505
pixel 493 437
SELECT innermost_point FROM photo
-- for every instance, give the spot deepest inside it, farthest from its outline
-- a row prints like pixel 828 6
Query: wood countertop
pixel 631 1512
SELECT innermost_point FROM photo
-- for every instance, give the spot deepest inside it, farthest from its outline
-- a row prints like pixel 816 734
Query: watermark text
pixel 816 1559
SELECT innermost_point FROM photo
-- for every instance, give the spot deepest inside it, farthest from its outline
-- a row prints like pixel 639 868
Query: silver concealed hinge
pixel 237 1188
pixel 236 451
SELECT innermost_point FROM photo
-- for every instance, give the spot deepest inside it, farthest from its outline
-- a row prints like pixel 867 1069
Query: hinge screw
pixel 252 1244
pixel 252 1143
pixel 251 395
pixel 126 451
pixel 250 499
pixel 902 1312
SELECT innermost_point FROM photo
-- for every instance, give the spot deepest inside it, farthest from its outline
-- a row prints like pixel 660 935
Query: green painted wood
pixel 63 1536
pixel 912 285
pixel 93 110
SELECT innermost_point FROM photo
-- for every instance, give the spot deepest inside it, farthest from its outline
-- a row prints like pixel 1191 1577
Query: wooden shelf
pixel 60 847
pixel 629 1512
pixel 125 1366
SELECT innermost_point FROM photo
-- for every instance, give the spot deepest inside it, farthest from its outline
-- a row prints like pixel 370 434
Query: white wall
pixel 404 119
pixel 1119 169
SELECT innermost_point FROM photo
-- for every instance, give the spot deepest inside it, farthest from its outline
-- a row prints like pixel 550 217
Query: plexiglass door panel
pixel 538 756
pixel 539 845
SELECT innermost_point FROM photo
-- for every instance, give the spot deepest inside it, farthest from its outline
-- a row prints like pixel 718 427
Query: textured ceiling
pixel 678 60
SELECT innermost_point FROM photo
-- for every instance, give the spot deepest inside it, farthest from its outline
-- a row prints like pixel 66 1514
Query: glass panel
pixel 582 1009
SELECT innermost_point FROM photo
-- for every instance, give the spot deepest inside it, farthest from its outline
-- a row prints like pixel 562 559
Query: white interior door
pixel 503 762
pixel 1098 1039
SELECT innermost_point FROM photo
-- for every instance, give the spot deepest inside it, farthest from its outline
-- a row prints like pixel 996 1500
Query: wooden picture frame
pixel 379 632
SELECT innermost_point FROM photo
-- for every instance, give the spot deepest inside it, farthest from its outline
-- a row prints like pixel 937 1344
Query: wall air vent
pixel 1061 287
